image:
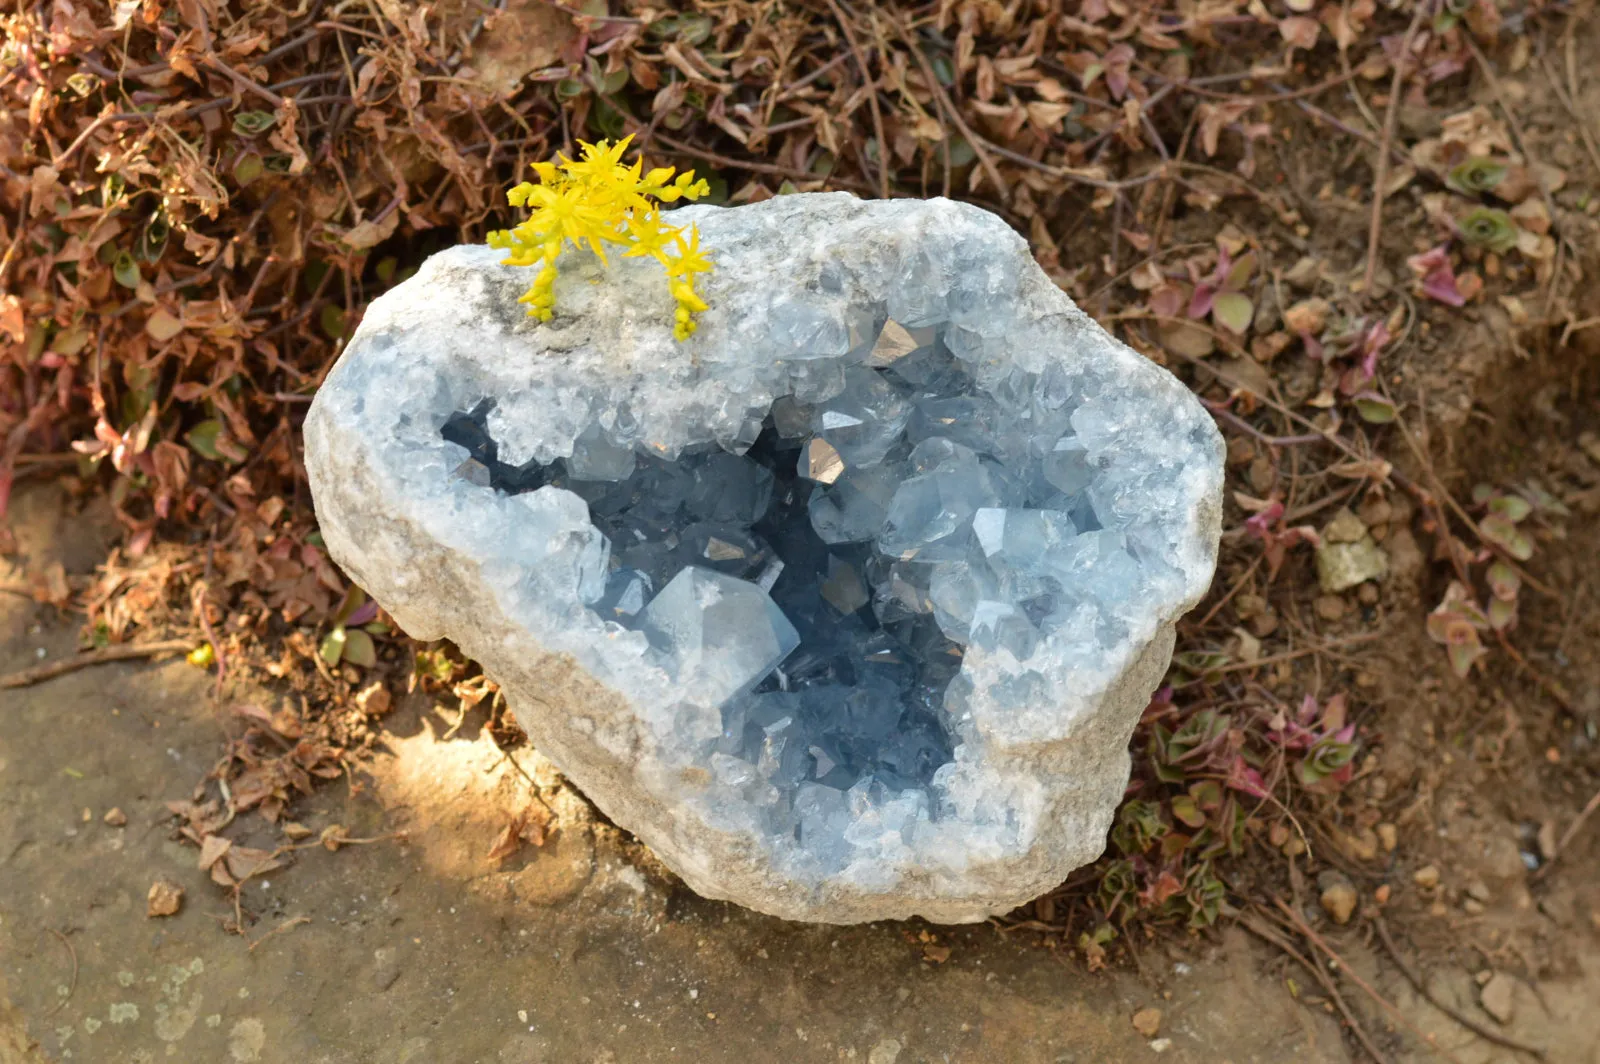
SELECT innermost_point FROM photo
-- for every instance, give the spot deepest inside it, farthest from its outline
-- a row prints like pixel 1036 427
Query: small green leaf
pixel 250 123
pixel 1504 583
pixel 569 88
pixel 1542 500
pixel 961 151
pixel 1512 506
pixel 1199 662
pixel 787 188
pixel 1462 655
pixel 248 167
pixel 1244 267
pixel 278 162
pixel 385 268
pixel 126 270
pixel 203 439
pixel 153 238
pixel 1207 794
pixel 1374 408
pixel 1476 176
pixel 332 319
pixel 1502 531
pixel 358 648
pixel 333 644
pixel 1489 228
pixel 1233 311
pixel 1185 809
pixel 1501 614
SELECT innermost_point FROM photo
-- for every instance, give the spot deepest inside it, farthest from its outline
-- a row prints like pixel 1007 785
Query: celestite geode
pixel 848 605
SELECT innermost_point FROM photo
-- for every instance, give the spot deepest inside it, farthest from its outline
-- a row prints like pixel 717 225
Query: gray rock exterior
pixel 1040 744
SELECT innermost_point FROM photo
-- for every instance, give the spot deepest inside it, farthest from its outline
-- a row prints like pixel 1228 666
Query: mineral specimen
pixel 848 605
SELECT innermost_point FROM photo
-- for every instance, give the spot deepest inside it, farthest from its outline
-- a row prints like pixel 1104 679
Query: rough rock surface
pixel 457 448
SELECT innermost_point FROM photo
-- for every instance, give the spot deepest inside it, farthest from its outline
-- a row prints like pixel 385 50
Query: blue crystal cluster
pixel 823 577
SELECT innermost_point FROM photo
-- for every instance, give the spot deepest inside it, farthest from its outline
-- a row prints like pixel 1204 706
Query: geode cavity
pixel 848 605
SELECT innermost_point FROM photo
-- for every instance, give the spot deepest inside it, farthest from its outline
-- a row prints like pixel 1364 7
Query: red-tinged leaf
pixel 1504 583
pixel 363 614
pixel 1260 525
pixel 1200 303
pixel 1373 341
pixel 1233 311
pixel 1167 300
pixel 354 597
pixel 1165 886
pixel 1462 656
pixel 1438 280
pixel 1241 777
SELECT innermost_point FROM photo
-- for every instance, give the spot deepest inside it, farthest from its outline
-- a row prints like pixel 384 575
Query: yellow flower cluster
pixel 599 200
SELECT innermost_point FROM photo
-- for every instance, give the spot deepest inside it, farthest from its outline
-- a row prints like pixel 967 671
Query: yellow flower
pixel 598 200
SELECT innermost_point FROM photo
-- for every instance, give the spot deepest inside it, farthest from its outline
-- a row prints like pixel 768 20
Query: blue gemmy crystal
pixel 823 578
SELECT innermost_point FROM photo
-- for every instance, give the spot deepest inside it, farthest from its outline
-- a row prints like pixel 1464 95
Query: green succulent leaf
pixel 1185 809
pixel 1488 227
pixel 203 439
pixel 1476 176
pixel 1512 506
pixel 250 123
pixel 359 648
pixel 126 270
pixel 1502 531
pixel 1374 408
pixel 1233 311
pixel 333 644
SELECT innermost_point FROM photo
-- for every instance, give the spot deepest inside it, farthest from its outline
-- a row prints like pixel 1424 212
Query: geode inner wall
pixel 847 606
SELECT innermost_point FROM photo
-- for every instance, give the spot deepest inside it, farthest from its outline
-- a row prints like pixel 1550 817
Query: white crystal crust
pixel 1040 756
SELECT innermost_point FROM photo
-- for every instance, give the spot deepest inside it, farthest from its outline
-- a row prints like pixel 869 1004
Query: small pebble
pixel 1497 997
pixel 1338 896
pixel 115 817
pixel 1147 1022
pixel 1388 837
pixel 1330 607
pixel 1427 877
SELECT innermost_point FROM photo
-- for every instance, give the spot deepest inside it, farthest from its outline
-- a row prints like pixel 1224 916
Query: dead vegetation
pixel 1294 205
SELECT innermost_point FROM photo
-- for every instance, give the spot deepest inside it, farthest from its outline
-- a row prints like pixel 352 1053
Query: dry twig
pixel 50 670
pixel 1482 1031
pixel 1380 178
